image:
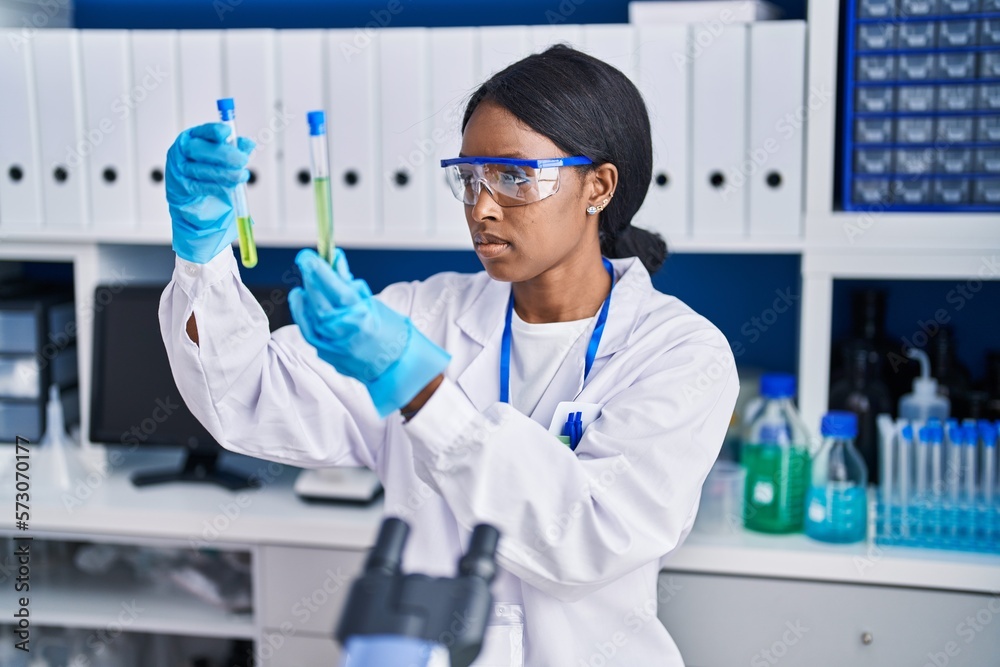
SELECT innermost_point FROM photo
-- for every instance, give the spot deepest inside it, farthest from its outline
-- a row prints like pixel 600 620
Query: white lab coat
pixel 584 531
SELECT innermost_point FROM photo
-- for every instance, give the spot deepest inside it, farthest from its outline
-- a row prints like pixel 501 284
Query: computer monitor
pixel 134 399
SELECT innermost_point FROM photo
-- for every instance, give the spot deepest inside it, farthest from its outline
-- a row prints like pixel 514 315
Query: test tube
pixel 244 225
pixel 936 479
pixel 923 454
pixel 954 462
pixel 905 445
pixel 971 442
pixel 887 441
pixel 321 184
pixel 988 433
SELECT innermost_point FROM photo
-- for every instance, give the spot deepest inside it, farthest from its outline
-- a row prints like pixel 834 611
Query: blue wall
pixel 353 13
pixel 753 299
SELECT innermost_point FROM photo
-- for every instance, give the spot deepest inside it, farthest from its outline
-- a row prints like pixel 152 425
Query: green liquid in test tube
pixel 321 184
pixel 244 225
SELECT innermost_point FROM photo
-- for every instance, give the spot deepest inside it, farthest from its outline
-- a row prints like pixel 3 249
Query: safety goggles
pixel 510 181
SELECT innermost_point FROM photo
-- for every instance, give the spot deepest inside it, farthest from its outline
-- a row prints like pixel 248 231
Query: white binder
pixel 499 46
pixel 20 168
pixel 719 108
pixel 60 114
pixel 664 79
pixel 407 148
pixel 110 101
pixel 301 77
pixel 200 56
pixel 249 76
pixel 353 129
pixel 157 122
pixel 453 79
pixel 541 37
pixel 614 44
pixel 776 127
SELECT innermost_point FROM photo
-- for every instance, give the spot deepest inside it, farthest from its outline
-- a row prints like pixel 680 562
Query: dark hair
pixel 587 107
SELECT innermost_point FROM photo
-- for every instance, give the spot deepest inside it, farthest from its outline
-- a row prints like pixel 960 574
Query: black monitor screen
pixel 133 396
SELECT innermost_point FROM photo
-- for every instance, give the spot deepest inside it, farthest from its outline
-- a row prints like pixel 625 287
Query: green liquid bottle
pixel 776 457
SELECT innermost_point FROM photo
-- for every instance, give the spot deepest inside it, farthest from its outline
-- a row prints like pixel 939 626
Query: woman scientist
pixel 447 388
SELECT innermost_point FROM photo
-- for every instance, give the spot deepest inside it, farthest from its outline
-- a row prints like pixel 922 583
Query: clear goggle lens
pixel 508 184
pixel 510 181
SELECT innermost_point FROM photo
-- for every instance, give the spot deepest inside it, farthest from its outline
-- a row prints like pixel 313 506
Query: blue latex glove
pixel 201 176
pixel 360 336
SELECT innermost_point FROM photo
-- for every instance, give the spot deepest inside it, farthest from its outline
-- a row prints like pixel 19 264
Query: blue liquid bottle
pixel 836 505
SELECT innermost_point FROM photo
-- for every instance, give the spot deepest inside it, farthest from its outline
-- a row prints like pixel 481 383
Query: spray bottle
pixel 923 403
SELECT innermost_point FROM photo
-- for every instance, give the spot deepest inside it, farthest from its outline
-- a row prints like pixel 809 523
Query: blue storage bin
pixel 989 32
pixel 987 191
pixel 951 191
pixel 921 35
pixel 871 190
pixel 956 65
pixel 919 99
pixel 914 160
pixel 955 129
pixel 953 161
pixel 911 191
pixel 956 98
pixel 875 99
pixel 958 6
pixel 876 68
pixel 917 7
pixel 988 129
pixel 957 33
pixel 988 160
pixel 914 130
pixel 876 9
pixel 873 131
pixel 875 36
pixel 989 96
pixel 873 161
pixel 989 65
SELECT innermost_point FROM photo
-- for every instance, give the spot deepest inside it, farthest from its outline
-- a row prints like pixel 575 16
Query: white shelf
pixel 745 553
pixel 76 600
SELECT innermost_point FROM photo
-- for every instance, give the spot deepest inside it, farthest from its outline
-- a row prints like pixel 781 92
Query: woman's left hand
pixel 359 335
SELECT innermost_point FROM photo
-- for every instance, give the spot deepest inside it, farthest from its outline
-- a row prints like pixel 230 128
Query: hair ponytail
pixel 633 241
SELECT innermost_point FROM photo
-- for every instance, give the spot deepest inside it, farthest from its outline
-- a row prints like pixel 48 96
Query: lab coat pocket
pixel 503 644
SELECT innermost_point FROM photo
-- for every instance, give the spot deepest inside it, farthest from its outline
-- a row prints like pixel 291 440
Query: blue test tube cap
pixel 839 424
pixel 777 385
pixel 988 433
pixel 317 123
pixel 969 435
pixel 932 433
pixel 226 107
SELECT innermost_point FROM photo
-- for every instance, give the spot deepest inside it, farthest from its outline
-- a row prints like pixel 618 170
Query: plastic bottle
pixel 776 456
pixel 923 403
pixel 837 508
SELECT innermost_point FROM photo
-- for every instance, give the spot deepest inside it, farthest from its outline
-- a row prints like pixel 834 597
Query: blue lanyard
pixel 595 338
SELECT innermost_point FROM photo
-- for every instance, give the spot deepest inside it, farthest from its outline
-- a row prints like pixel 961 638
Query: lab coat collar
pixel 483 322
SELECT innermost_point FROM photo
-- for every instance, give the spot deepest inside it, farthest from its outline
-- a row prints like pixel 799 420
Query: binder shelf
pixel 921 106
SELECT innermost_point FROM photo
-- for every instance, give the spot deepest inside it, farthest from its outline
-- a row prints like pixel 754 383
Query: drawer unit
pixel 921 109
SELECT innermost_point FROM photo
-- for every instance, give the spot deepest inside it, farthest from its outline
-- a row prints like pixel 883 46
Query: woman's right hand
pixel 201 175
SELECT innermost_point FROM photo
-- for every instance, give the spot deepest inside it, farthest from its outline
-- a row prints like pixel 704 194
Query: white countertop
pixel 109 505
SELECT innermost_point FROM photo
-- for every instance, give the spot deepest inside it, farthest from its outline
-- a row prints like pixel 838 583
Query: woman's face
pixel 517 243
